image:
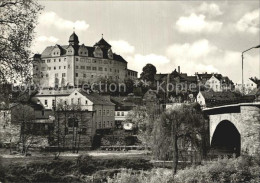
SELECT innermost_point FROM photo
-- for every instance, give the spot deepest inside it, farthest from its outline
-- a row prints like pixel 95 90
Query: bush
pixel 131 176
pixel 45 177
pixel 242 169
pixel 2 171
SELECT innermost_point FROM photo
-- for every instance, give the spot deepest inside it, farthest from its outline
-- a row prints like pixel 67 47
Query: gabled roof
pixel 255 80
pixel 96 98
pixel 103 44
pixel 47 52
pixel 124 103
pixel 204 76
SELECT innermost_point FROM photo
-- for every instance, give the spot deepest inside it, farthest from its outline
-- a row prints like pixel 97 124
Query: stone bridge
pixel 235 128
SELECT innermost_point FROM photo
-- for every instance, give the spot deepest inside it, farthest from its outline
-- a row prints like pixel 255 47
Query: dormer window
pixel 110 54
pixel 98 52
pixel 83 51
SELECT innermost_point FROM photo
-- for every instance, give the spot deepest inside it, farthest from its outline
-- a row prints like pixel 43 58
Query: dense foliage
pixel 83 169
pixel 18 19
pixel 148 72
pixel 242 169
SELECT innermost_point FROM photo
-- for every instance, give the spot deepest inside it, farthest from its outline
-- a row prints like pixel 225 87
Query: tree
pixel 143 120
pixel 183 122
pixel 67 116
pixel 148 72
pixel 17 22
pixel 23 115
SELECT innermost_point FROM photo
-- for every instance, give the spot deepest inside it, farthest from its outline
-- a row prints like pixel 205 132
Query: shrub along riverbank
pixel 87 169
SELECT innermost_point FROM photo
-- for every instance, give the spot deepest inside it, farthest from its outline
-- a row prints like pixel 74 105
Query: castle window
pixel 59 67
pixel 77 74
pixel 43 61
pixel 47 75
pixel 88 68
pixel 86 102
pixel 64 59
pixel 82 67
pixel 84 75
pixel 100 69
pixel 54 60
pixel 77 59
pixel 54 68
pixel 59 60
pixel 46 102
pixel 105 69
pixel 94 68
pixel 56 75
pixel 64 67
pixel 77 67
pixel 63 74
pixel 48 61
pixel 49 68
pixel 92 76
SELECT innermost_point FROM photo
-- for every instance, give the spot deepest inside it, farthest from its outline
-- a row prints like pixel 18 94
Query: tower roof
pixel 74 40
pixel 103 44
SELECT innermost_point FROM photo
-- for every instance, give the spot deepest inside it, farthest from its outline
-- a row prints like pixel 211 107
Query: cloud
pixel 47 39
pixel 138 61
pixel 202 56
pixel 197 49
pixel 122 47
pixel 193 57
pixel 211 9
pixel 249 22
pixel 197 23
pixel 52 19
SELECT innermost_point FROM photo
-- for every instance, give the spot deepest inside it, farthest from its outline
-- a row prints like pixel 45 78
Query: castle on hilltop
pixel 75 64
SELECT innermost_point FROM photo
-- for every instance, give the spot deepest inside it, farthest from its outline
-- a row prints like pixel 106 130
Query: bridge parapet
pixel 245 117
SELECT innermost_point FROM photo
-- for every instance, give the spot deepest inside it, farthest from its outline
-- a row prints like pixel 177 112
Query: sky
pixel 198 36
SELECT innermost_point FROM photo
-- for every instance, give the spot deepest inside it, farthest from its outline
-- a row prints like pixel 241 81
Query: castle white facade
pixel 74 64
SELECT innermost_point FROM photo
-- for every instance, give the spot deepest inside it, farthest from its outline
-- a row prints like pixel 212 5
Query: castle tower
pixel 74 40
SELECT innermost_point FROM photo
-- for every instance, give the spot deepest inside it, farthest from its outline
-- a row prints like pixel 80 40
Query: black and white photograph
pixel 129 91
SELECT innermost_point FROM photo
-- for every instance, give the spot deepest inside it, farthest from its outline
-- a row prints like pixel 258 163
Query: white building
pixel 214 83
pixel 101 106
pixel 249 86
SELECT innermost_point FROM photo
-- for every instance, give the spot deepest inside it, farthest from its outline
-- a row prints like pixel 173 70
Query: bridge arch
pixel 226 139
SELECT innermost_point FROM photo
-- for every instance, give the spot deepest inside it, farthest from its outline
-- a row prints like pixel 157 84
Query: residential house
pixel 122 107
pixel 85 99
pixel 249 85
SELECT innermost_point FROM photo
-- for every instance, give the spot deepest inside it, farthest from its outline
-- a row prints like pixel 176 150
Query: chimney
pixel 179 69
